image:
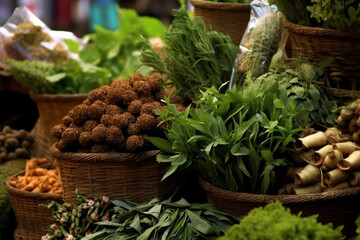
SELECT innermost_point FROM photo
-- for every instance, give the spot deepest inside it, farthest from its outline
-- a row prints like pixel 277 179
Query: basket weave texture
pixel 33 220
pixel 52 108
pixel 230 18
pixel 343 75
pixel 134 176
pixel 341 207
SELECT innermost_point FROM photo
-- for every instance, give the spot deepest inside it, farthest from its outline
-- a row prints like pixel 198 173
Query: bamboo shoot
pixel 335 177
pixel 352 162
pixel 314 140
pixel 310 174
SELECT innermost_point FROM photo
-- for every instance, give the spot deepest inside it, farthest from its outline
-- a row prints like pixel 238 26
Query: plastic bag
pixel 259 43
pixel 24 36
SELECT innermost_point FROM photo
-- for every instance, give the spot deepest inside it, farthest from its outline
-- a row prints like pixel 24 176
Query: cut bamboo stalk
pixel 333 135
pixel 310 174
pixel 318 156
pixel 335 177
pixel 346 148
pixel 314 140
pixel 291 172
pixel 355 179
pixel 352 162
pixel 352 127
pixel 332 158
pixel 303 156
pixel 314 188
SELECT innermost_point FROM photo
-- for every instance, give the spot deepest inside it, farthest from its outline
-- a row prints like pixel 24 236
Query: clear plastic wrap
pixel 24 36
pixel 259 43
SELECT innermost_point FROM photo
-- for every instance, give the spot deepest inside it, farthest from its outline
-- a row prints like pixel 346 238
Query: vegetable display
pixel 236 140
pixel 230 1
pixel 194 57
pixel 275 222
pixel 38 179
pixel 101 219
pixel 334 14
pixel 113 118
pixel 14 143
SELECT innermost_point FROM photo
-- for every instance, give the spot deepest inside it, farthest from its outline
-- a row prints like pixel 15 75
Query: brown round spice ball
pixel 106 119
pixel 85 139
pixel 114 136
pixel 121 83
pixel 80 114
pixel 90 125
pixel 57 130
pixel 61 145
pixel 122 120
pixel 134 143
pixel 71 113
pixel 115 95
pixel 96 110
pixel 146 99
pixel 155 83
pixel 136 77
pixel 160 95
pixel 87 102
pixel 149 108
pixel 180 107
pixel 161 125
pixel 113 109
pixel 128 96
pixel 98 134
pixel 146 122
pixel 134 106
pixel 70 135
pixel 97 94
pixel 100 148
pixel 142 88
pixel 133 129
pixel 67 120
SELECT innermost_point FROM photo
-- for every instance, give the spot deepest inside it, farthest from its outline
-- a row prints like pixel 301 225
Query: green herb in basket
pixel 195 58
pixel 274 222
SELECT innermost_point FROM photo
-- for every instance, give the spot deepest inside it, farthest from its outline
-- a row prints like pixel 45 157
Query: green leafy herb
pixel 195 58
pixel 274 222
pixel 236 140
pixel 116 50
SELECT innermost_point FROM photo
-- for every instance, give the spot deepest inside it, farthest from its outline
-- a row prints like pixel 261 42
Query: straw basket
pixel 339 206
pixel 33 220
pixel 52 108
pixel 230 18
pixel 343 75
pixel 134 176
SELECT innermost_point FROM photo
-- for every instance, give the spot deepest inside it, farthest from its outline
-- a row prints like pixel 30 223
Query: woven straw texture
pixel 134 176
pixel 33 220
pixel 230 18
pixel 343 75
pixel 341 207
pixel 52 108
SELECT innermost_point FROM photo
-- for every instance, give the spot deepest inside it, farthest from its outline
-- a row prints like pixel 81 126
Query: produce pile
pixel 114 118
pixel 38 179
pixel 14 143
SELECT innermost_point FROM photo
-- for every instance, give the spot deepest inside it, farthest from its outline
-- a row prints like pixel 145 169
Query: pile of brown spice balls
pixel 115 118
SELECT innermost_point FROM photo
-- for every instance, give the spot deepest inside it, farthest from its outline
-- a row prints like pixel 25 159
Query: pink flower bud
pixel 54 227
pixel 105 199
pixel 94 216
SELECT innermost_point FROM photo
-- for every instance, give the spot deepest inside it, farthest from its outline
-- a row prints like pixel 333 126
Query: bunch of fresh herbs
pixel 275 222
pixel 116 50
pixel 195 58
pixel 236 140
pixel 66 77
pixel 166 219
pixel 303 85
pixel 334 14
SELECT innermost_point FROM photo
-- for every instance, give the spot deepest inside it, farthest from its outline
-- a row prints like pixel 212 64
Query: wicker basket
pixel 134 176
pixel 343 75
pixel 230 18
pixel 52 108
pixel 33 220
pixel 341 207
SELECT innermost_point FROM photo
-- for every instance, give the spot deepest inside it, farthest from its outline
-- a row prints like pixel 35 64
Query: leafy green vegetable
pixel 231 1
pixel 274 222
pixel 61 77
pixel 301 80
pixel 195 58
pixel 294 11
pixel 116 50
pixel 236 140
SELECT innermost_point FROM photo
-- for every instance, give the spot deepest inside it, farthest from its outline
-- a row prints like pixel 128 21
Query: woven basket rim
pixel 103 157
pixel 263 198
pixel 220 5
pixel 319 32
pixel 46 97
pixel 28 194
